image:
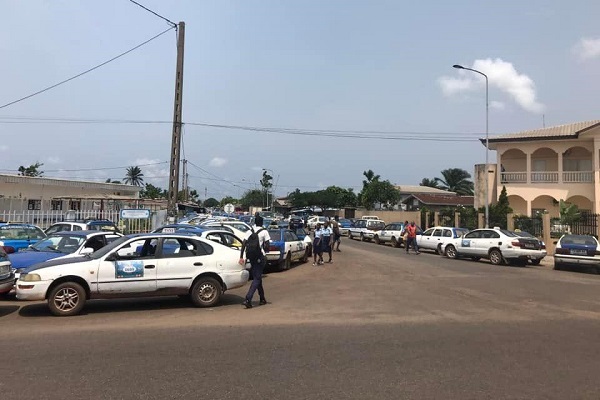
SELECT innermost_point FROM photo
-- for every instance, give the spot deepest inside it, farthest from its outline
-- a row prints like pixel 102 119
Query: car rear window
pixel 581 240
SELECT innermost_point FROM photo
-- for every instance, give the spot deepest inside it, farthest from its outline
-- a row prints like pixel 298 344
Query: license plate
pixel 169 230
pixel 579 252
pixel 529 246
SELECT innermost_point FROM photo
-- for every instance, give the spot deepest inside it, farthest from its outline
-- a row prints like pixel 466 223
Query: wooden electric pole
pixel 184 181
pixel 176 140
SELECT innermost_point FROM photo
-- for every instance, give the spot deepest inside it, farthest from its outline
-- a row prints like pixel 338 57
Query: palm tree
pixel 456 180
pixel 429 183
pixel 133 176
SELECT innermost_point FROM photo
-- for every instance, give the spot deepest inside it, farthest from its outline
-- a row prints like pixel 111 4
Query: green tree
pixel 227 200
pixel 456 180
pixel 429 183
pixel 382 192
pixel 498 212
pixel 112 181
pixel 254 197
pixel 32 170
pixel 152 192
pixel 134 176
pixel 569 213
pixel 211 202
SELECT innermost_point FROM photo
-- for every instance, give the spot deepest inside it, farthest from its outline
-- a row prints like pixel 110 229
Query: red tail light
pixel 273 248
pixel 9 249
pixel 516 243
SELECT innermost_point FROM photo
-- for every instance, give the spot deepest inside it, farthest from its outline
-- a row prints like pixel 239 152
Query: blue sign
pixel 129 269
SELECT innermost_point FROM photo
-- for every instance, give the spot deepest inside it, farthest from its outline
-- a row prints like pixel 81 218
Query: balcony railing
pixel 548 177
pixel 578 176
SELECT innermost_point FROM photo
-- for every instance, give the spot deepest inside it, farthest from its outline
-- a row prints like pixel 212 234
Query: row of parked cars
pixel 200 262
pixel 499 246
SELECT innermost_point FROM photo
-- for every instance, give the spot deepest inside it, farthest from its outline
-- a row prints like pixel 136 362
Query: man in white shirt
pixel 254 249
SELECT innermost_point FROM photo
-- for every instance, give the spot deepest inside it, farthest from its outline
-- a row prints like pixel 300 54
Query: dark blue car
pixel 577 251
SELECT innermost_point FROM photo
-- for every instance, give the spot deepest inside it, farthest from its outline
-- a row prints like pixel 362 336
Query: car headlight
pixel 30 278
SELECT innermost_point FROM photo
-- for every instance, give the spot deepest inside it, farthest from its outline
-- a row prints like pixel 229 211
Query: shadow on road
pixel 6 310
pixel 128 305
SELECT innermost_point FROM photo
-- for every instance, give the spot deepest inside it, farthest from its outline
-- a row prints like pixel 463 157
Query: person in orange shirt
pixel 411 232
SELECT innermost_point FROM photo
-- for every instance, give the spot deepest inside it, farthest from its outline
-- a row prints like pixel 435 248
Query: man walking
pixel 254 248
pixel 337 237
pixel 411 232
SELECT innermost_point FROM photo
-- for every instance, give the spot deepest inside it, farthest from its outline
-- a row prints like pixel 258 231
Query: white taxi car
pixel 497 245
pixel 391 233
pixel 154 264
pixel 436 238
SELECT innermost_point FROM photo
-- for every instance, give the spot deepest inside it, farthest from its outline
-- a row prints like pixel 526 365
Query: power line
pixel 86 71
pixel 173 24
pixel 350 134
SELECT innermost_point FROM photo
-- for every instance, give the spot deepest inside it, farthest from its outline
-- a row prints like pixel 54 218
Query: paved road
pixel 377 323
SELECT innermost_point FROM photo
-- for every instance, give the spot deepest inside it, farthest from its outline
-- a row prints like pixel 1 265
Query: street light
pixel 487 144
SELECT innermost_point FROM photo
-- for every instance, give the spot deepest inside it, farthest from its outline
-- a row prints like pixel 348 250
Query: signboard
pixel 229 208
pixel 135 214
pixel 129 269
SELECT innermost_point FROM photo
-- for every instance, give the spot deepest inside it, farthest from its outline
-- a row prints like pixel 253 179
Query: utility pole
pixel 184 182
pixel 176 140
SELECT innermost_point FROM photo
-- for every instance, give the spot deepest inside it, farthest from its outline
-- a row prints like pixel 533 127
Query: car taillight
pixel 560 250
pixel 273 248
pixel 516 243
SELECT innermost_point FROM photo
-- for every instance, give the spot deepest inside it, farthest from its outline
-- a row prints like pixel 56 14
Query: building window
pixel 34 204
pixel 74 204
pixel 56 204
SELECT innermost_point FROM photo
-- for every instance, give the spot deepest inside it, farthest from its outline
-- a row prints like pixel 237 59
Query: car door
pixel 179 261
pixel 130 268
pixel 487 239
pixel 424 240
pixel 295 245
pixel 469 242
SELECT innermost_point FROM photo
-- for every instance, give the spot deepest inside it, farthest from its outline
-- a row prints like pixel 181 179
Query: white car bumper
pixel 235 279
pixel 576 260
pixel 524 254
pixel 7 284
pixel 32 290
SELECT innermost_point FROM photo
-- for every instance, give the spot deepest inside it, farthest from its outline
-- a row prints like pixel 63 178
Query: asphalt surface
pixel 377 323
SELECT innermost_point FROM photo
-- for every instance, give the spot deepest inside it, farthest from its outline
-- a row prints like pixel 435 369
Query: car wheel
pixel 285 264
pixel 395 242
pixel 376 239
pixel 450 251
pixel 306 255
pixel 362 237
pixel 349 235
pixel 536 261
pixel 495 257
pixel 66 299
pixel 438 249
pixel 557 266
pixel 206 292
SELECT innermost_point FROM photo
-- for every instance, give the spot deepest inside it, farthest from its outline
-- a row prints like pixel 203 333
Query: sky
pixel 350 86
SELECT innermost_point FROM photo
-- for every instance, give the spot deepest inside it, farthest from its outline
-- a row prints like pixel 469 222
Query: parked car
pixel 391 233
pixel 497 245
pixel 436 238
pixel 312 221
pixel 84 225
pixel 295 222
pixel 304 235
pixel 578 251
pixel 19 236
pixel 365 229
pixel 172 228
pixel 136 265
pixel 239 228
pixel 284 248
pixel 7 275
pixel 345 224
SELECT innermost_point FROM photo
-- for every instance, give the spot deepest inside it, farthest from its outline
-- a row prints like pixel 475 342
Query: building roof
pixel 567 131
pixel 44 180
pixel 442 200
pixel 410 189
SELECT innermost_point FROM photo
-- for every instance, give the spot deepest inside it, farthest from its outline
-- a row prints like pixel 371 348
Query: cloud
pixel 587 48
pixel 4 147
pixel 502 75
pixel 217 162
pixel 497 105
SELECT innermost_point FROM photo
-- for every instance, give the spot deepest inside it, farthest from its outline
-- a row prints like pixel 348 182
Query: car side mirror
pixel 86 250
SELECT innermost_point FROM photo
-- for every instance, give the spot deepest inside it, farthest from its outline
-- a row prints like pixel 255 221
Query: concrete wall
pixel 479 182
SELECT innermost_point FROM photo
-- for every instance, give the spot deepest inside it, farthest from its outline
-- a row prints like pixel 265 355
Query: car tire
pixel 362 237
pixel 376 239
pixel 450 251
pixel 438 249
pixel 395 242
pixel 206 292
pixel 66 299
pixel 496 257
pixel 286 263
pixel 536 262
pixel 306 255
pixel 557 266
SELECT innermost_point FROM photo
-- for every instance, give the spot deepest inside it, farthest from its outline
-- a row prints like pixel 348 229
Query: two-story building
pixel 543 166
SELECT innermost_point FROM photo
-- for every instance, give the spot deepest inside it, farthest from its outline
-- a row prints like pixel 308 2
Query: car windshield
pixel 21 232
pixel 275 235
pixel 108 248
pixel 67 244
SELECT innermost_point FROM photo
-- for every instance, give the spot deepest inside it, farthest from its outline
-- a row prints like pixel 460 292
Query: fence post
pixel 510 221
pixel 480 220
pixel 456 219
pixel 436 218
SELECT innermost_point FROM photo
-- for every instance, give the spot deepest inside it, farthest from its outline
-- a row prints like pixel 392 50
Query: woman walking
pixel 318 246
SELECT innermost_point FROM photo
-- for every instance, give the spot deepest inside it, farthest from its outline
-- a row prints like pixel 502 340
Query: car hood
pixel 27 258
pixel 52 263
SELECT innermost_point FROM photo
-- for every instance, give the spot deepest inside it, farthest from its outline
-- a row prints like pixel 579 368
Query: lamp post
pixel 487 146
